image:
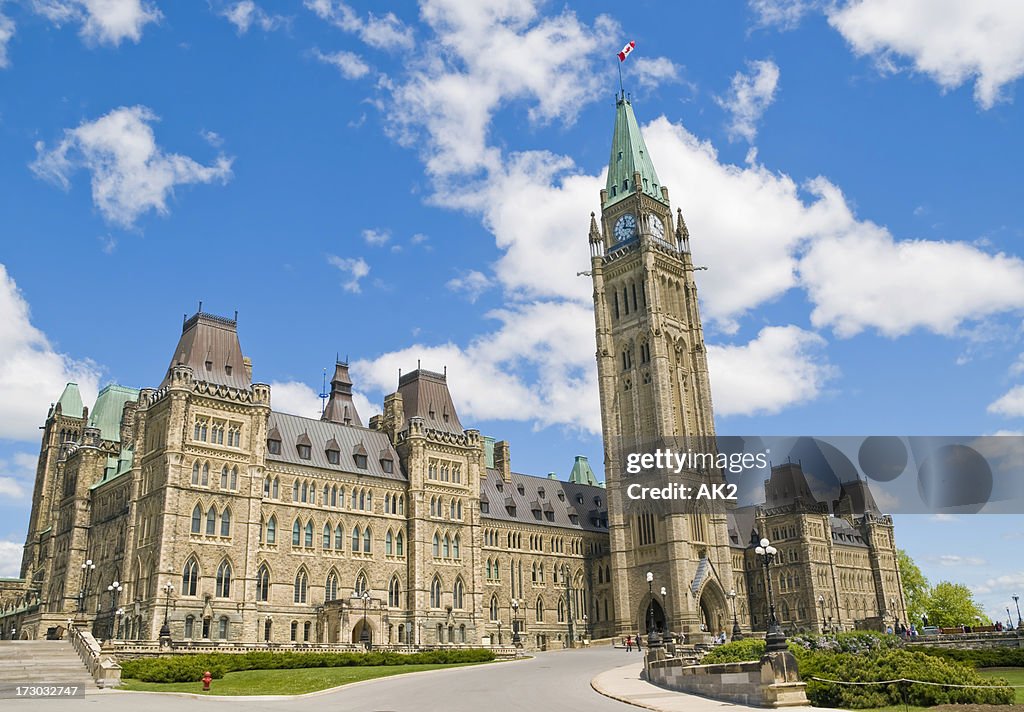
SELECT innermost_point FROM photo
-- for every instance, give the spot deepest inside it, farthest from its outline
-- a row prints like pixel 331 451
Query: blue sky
pixel 415 183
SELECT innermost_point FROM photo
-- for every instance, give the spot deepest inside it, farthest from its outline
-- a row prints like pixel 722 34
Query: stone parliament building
pixel 412 529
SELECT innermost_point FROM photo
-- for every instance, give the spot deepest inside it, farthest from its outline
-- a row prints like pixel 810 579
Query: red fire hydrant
pixel 207 677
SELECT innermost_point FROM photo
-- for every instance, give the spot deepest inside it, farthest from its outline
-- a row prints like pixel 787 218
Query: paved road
pixel 556 680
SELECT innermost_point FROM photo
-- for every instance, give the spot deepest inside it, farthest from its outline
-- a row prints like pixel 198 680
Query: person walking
pixel 629 643
pixel 638 644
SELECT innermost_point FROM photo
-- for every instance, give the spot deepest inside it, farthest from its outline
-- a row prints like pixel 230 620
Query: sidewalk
pixel 624 684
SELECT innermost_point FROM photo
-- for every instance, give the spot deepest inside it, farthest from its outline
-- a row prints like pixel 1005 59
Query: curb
pixel 596 686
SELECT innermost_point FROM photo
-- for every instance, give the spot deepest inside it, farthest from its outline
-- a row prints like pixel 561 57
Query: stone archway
pixel 651 609
pixel 713 607
pixel 357 632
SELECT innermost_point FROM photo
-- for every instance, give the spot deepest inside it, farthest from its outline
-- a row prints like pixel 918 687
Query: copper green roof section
pixel 489 450
pixel 71 401
pixel 581 473
pixel 106 414
pixel 116 466
pixel 629 157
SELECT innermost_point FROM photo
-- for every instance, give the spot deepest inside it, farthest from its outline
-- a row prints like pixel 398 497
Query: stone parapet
pixel 772 681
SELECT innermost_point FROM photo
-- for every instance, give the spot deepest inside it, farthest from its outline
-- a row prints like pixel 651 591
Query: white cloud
pixel 10 558
pixel 1010 404
pixel 376 236
pixel 941 517
pixel 780 368
pixel 17 475
pixel 957 560
pixel 32 373
pixel 364 406
pixel 953 42
pixel 654 71
pixel 386 32
pixel 749 96
pixel 418 239
pixel 6 33
pixel 131 174
pixel 349 64
pixel 356 268
pixel 296 398
pixel 865 278
pixel 473 283
pixel 1006 582
pixel 212 137
pixel 103 21
pixel 247 13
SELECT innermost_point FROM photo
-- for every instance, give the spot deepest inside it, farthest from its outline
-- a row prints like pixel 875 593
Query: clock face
pixel 657 227
pixel 625 227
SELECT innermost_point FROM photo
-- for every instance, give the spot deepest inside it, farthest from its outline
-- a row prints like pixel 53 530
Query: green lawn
pixel 1014 675
pixel 282 682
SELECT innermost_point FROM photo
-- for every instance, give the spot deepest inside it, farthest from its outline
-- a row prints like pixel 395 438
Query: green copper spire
pixel 581 473
pixel 71 401
pixel 629 157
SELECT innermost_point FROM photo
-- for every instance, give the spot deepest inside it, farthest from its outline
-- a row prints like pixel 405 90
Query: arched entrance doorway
pixel 362 632
pixel 714 613
pixel 652 610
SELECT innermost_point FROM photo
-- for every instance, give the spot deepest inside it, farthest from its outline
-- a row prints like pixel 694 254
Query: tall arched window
pixel 190 624
pixel 277 488
pixel 224 580
pixel 458 593
pixel 389 543
pixel 224 477
pixel 195 472
pixel 362 585
pixel 206 474
pixel 272 529
pixel 401 504
pixel 331 587
pixel 494 608
pixel 339 537
pixel 538 610
pixel 309 534
pixel 263 583
pixel 225 522
pixel 561 611
pixel 197 519
pixel 234 478
pixel 301 583
pixel 399 544
pixel 436 545
pixel 435 592
pixel 190 577
pixel 446 547
pixel 394 593
pixel 356 535
pixel 327 536
pixel 367 540
pixel 296 533
pixel 295 491
pixel 211 520
pixel 266 486
pixel 455 547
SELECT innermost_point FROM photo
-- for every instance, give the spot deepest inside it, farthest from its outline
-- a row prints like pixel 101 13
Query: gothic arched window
pixel 190 577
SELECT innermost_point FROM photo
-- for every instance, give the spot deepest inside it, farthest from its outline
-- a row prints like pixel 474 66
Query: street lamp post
pixel 120 614
pixel 775 639
pixel 87 568
pixel 516 639
pixel 165 629
pixel 586 627
pixel 1016 602
pixel 364 634
pixel 737 634
pixel 1009 619
pixel 115 590
pixel 653 638
pixel 667 636
pixel 821 602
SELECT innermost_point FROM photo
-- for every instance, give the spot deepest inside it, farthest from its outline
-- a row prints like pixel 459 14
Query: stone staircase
pixel 42 661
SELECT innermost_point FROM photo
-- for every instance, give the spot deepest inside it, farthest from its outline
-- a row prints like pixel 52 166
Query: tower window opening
pixel 634 296
pixel 620 155
pixel 616 304
pixel 625 184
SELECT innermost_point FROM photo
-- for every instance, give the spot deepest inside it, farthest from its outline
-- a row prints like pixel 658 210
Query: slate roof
pixel 210 339
pixel 349 438
pixel 340 407
pixel 425 394
pixel 587 502
pixel 845 533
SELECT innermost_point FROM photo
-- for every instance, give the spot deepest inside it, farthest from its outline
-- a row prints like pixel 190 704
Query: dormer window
pixel 597 501
pixel 209 365
pixel 305 452
pixel 574 518
pixel 334 456
pixel 360 461
pixel 561 496
pixel 579 499
pixel 520 489
pixel 227 369
pixel 274 447
pixel 500 486
pixel 388 465
pixel 540 492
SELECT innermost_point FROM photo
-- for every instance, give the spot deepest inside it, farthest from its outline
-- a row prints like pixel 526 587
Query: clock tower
pixel 654 388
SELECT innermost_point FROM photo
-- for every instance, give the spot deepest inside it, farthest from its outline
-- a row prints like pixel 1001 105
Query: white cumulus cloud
pixel 6 34
pixel 750 94
pixel 10 558
pixel 349 64
pixel 32 372
pixel 130 173
pixel 102 21
pixel 1010 404
pixel 354 267
pixel 654 71
pixel 472 283
pixel 246 13
pixel 383 32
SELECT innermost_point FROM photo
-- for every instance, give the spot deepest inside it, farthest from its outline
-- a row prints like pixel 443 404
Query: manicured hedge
pixel 890 665
pixel 855 641
pixel 988 657
pixel 737 651
pixel 187 668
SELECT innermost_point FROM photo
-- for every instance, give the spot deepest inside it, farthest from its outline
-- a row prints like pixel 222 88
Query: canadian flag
pixel 626 50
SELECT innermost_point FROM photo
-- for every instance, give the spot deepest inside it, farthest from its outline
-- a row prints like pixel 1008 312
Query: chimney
pixel 503 460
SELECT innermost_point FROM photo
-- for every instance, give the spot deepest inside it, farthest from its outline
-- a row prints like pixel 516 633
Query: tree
pixel 915 587
pixel 952 604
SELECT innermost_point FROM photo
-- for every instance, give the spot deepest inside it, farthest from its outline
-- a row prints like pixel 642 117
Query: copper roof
pixel 209 346
pixel 425 394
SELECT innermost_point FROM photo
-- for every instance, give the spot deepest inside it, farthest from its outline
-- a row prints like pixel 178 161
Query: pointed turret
pixel 209 346
pixel 582 473
pixel 340 407
pixel 630 168
pixel 71 401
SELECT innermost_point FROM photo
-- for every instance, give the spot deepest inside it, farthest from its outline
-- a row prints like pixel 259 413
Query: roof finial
pixel 200 306
pixel 417 364
pixel 323 395
pixel 236 315
pixel 446 370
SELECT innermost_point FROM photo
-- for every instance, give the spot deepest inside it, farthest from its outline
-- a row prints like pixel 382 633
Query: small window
pixel 227 369
pixel 333 457
pixel 305 452
pixel 209 365
pixel 360 461
pixel 388 466
pixel 485 508
pixel 521 489
pixel 274 447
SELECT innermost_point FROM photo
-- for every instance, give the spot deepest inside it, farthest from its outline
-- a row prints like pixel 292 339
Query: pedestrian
pixel 629 643
pixel 638 644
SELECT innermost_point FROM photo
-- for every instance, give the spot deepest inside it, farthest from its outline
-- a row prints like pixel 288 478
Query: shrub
pixel 988 657
pixel 893 664
pixel 737 651
pixel 856 641
pixel 188 668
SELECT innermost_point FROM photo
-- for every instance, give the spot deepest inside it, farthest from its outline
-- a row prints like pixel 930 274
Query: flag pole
pixel 621 88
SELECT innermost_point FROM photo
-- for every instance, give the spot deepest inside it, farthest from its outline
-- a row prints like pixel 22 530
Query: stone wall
pixel 771 681
pixel 975 641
